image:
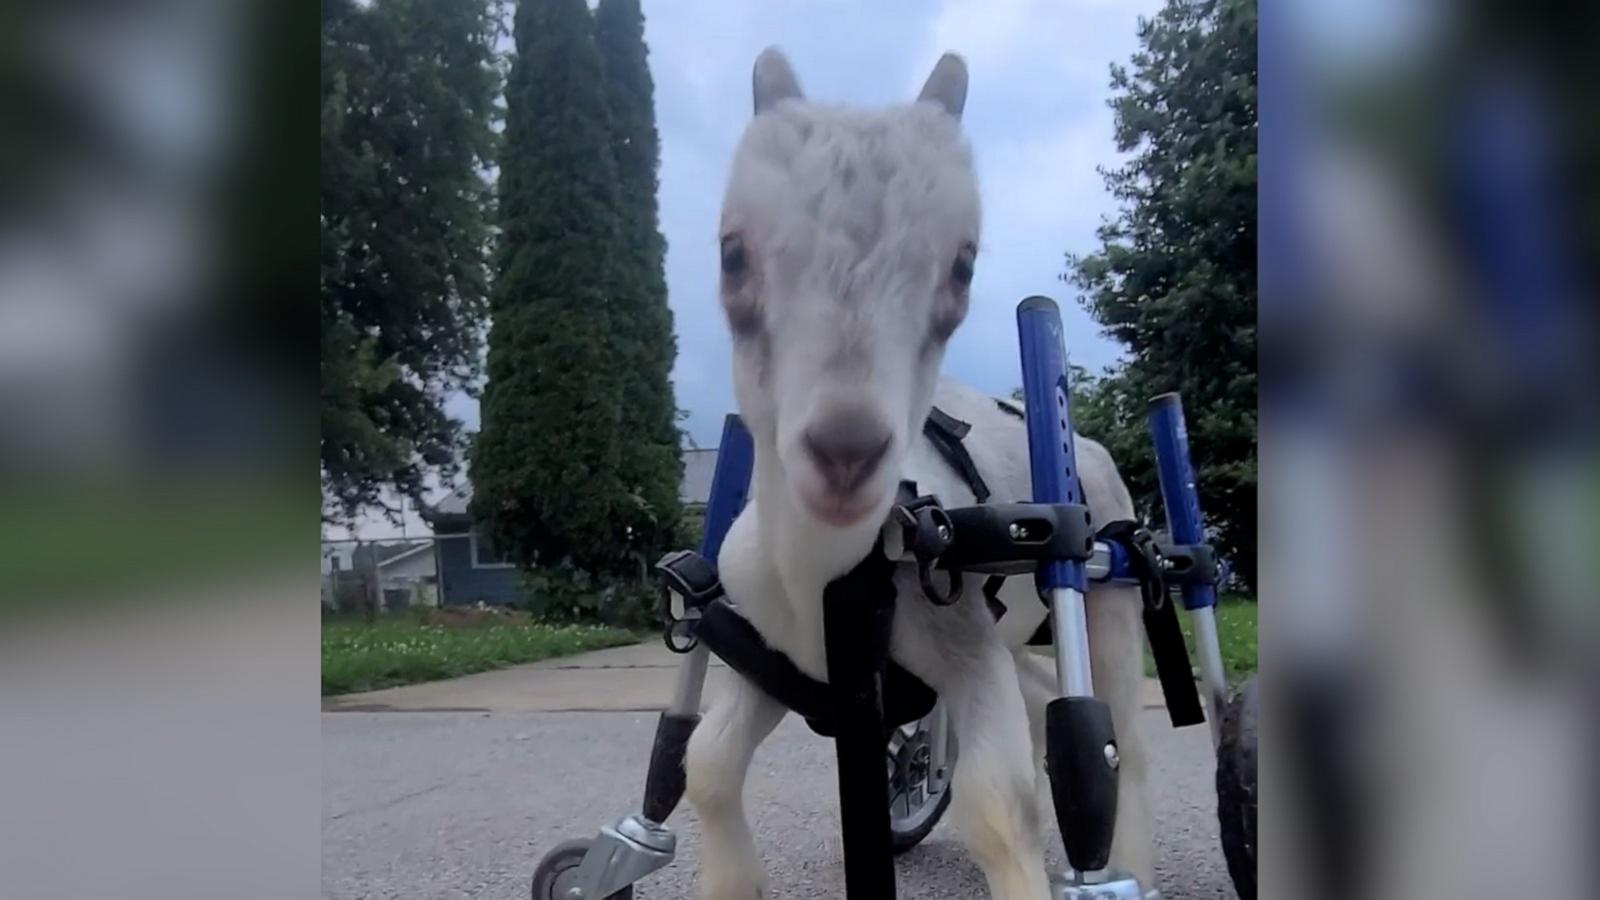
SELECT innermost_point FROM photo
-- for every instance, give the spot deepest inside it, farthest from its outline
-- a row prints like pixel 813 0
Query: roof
pixel 388 552
pixel 456 503
pixel 695 488
pixel 406 552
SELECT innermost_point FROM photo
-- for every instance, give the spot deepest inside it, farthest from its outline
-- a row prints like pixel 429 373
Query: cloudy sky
pixel 1036 115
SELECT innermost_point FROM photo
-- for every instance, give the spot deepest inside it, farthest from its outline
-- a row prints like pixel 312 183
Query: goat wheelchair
pixel 894 749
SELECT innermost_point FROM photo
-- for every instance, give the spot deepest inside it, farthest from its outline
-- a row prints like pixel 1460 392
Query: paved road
pixel 462 804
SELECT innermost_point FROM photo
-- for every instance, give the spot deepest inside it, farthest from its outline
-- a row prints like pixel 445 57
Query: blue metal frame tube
pixel 1178 493
pixel 730 484
pixel 1054 469
pixel 1187 526
pixel 1049 422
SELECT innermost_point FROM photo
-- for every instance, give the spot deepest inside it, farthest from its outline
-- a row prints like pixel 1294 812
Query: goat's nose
pixel 847 448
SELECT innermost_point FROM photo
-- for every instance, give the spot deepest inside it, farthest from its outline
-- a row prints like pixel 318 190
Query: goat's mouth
pixel 838 511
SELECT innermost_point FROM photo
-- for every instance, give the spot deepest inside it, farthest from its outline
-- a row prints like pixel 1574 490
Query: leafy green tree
pixel 1175 277
pixel 408 97
pixel 547 466
pixel 651 459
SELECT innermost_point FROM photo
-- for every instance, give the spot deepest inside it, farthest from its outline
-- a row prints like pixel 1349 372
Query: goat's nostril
pixel 846 454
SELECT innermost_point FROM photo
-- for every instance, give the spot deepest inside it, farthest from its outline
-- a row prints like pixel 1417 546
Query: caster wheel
pixel 557 873
pixel 918 796
pixel 1236 789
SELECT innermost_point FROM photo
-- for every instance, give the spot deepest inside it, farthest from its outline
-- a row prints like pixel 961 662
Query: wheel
pixel 557 873
pixel 918 796
pixel 1236 788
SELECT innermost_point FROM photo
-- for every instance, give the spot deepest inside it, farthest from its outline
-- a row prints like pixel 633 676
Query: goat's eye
pixel 738 293
pixel 734 259
pixel 961 269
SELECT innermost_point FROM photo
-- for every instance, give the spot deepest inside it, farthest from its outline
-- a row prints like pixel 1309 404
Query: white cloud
pixel 1039 124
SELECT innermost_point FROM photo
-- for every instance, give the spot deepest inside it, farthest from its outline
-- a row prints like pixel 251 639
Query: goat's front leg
pixel 718 758
pixel 994 800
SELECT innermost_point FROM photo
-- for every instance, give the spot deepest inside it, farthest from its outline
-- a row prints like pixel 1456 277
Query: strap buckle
pixel 689 583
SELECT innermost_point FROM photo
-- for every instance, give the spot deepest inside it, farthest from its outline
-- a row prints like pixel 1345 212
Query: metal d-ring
pixel 931 590
pixel 924 531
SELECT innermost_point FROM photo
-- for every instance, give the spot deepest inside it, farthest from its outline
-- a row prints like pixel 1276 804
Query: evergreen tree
pixel 547 467
pixel 1175 278
pixel 652 459
pixel 408 90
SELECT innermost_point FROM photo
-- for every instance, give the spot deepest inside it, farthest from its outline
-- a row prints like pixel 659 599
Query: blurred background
pixel 1430 498
pixel 1430 501
pixel 152 373
pixel 157 428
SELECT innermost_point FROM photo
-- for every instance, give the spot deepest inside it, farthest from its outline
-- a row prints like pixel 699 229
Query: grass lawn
pixel 1236 632
pixel 404 648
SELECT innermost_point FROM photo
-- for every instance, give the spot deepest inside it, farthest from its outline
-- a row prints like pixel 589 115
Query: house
pixel 472 571
pixel 698 467
pixel 406 573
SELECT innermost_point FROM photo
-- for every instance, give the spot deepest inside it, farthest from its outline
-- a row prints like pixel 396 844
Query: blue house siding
pixel 463 584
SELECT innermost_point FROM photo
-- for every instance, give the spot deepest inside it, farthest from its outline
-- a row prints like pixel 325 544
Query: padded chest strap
pixel 731 636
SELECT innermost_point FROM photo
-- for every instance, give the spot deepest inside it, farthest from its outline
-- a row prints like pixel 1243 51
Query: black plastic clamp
pixel 1188 563
pixel 1013 538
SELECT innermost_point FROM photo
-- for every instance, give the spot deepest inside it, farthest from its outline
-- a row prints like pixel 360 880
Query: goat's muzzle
pixel 847 449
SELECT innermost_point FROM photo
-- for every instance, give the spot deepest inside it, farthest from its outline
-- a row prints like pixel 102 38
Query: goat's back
pixel 998 443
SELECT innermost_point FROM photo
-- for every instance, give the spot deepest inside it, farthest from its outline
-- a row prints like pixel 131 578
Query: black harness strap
pixel 945 432
pixel 857 618
pixel 732 638
pixel 1160 622
pixel 991 595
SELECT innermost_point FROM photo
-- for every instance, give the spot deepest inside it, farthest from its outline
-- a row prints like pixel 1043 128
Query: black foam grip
pixel 1083 783
pixel 663 784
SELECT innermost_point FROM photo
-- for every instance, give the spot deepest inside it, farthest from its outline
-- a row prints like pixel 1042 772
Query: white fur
pixel 858 265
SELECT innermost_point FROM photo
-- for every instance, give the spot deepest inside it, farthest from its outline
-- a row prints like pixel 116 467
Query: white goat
pixel 848 239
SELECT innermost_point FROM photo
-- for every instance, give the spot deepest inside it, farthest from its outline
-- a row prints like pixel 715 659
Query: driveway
pixel 455 789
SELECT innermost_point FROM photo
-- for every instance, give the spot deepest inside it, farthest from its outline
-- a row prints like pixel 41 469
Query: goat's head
pixel 848 243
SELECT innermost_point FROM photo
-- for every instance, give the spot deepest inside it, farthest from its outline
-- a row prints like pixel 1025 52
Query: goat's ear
pixel 947 84
pixel 773 80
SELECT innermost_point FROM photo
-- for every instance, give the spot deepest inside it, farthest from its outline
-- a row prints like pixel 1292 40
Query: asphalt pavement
pixel 457 804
